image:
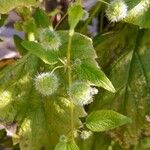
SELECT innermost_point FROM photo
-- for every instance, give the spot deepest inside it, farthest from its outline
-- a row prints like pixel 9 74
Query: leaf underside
pixel 130 74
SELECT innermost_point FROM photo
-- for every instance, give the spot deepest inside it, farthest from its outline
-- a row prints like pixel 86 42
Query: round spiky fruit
pixel 49 39
pixel 82 93
pixel 46 83
pixel 116 11
pixel 85 134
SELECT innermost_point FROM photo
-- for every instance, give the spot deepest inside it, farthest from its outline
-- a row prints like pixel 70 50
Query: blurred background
pixel 110 41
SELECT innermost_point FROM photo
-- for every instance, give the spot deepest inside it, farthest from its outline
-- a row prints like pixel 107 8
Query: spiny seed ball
pixel 85 134
pixel 81 93
pixel 46 83
pixel 49 39
pixel 116 11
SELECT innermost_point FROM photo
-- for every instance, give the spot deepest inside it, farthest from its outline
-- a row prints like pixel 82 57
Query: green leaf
pixel 111 45
pixel 66 146
pixel 29 26
pixel 8 5
pixel 104 120
pixel 139 13
pixel 41 18
pixel 130 74
pixel 81 47
pixel 41 120
pixel 20 48
pixel 89 70
pixel 61 146
pixel 48 56
pixel 18 26
pixel 3 18
pixel 75 14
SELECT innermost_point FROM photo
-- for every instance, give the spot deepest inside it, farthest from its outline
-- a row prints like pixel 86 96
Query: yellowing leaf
pixel 8 5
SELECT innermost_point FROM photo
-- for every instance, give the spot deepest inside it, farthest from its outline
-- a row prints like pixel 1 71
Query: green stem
pixel 70 82
pixel 104 2
pixel 101 21
pixel 56 68
pixel 96 9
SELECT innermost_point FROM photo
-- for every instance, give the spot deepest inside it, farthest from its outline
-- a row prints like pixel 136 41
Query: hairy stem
pixel 70 82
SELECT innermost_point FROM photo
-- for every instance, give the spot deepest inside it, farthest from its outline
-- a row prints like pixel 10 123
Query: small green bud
pixel 82 93
pixel 49 39
pixel 77 62
pixel 85 15
pixel 116 11
pixel 85 134
pixel 63 138
pixel 46 83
